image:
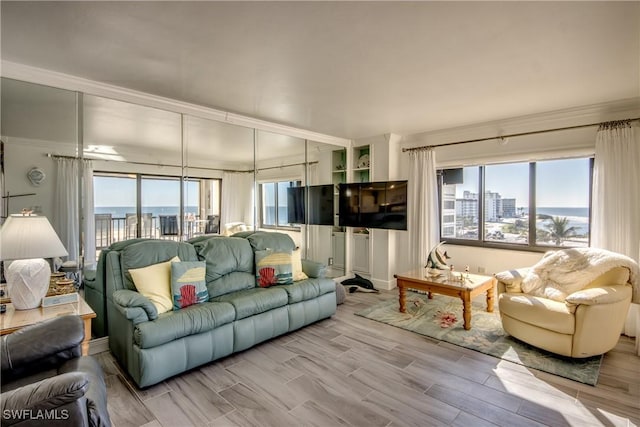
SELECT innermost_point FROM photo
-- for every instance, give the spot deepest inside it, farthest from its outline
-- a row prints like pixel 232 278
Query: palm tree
pixel 558 228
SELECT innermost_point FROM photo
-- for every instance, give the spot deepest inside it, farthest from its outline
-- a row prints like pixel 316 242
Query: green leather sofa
pixel 238 315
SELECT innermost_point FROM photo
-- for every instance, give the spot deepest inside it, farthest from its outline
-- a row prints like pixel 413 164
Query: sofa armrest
pixel 601 295
pixel 89 275
pixel 131 302
pixel 510 280
pixel 22 403
pixel 41 346
pixel 313 269
pixel 96 393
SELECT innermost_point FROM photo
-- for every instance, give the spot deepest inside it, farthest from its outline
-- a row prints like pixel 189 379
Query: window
pixel 525 205
pixel 135 205
pixel 459 211
pixel 562 217
pixel 504 187
pixel 273 204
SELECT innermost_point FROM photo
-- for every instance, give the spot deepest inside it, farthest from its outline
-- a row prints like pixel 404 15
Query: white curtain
pixel 89 222
pixel 237 198
pixel 66 206
pixel 424 226
pixel 616 199
pixel 67 209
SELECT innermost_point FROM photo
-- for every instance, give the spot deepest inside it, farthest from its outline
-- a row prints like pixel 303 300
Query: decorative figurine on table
pixel 437 258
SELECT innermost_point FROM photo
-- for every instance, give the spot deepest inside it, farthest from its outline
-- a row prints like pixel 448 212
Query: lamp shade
pixel 29 236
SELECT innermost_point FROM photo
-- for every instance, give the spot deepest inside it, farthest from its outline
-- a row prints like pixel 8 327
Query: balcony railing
pixel 109 230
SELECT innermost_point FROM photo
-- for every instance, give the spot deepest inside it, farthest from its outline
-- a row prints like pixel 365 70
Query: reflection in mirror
pixel 326 243
pixel 36 120
pixel 280 165
pixel 39 131
pixel 136 161
pixel 218 172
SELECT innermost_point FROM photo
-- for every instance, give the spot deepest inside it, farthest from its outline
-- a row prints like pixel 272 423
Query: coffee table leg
pixel 401 296
pixel 490 292
pixel 466 311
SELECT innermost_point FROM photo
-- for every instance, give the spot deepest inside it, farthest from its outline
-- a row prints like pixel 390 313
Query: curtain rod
pixel 535 132
pixel 57 156
pixel 286 166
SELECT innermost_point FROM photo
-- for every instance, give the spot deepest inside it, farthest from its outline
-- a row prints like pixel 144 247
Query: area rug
pixel 441 318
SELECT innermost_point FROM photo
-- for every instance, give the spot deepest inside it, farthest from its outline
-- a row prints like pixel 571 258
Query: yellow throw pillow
pixel 296 266
pixel 154 282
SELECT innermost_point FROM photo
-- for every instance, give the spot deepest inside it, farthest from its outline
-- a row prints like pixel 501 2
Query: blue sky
pixel 559 183
pixel 110 191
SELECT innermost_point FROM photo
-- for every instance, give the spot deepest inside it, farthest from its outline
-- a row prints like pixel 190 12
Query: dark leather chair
pixel 46 381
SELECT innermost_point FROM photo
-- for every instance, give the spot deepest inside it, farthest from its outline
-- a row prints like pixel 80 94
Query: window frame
pixel 261 202
pixel 531 245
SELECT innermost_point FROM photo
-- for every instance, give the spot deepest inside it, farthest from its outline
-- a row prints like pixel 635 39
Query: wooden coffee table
pixel 475 285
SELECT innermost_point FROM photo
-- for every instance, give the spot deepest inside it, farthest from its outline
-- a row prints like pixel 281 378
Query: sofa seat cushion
pixel 174 325
pixel 541 312
pixel 254 301
pixel 308 289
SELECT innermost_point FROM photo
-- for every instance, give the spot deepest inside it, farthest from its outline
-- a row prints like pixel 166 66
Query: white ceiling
pixel 348 69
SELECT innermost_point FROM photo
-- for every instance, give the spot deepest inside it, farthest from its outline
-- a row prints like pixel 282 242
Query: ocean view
pixel 568 212
pixel 578 217
pixel 121 211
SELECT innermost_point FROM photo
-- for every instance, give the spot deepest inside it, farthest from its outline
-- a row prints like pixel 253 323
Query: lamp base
pixel 27 282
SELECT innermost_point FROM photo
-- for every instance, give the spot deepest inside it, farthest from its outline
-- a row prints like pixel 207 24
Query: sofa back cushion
pixel 262 240
pixel 615 276
pixel 148 252
pixel 229 263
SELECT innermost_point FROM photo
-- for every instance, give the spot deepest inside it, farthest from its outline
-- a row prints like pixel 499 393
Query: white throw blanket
pixel 561 273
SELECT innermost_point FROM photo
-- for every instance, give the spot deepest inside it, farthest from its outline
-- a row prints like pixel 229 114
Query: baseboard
pixel 98 345
pixel 383 284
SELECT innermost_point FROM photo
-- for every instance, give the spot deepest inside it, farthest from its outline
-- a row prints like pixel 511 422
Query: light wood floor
pixel 351 371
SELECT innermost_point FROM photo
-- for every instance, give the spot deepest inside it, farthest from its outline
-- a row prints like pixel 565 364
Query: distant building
pixel 509 208
pixel 448 211
pixel 495 207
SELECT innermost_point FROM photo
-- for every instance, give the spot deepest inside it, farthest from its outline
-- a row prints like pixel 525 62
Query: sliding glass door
pixel 115 201
pixel 160 207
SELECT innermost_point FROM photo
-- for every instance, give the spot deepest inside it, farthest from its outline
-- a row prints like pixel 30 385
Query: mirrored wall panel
pixel 136 157
pixel 280 173
pixel 37 122
pixel 219 185
pixel 137 171
pixel 326 243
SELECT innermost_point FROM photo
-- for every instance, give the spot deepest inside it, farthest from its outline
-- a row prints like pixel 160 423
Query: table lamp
pixel 26 240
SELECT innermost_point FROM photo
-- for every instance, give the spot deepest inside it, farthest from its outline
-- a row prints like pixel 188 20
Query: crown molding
pixel 17 71
pixel 576 116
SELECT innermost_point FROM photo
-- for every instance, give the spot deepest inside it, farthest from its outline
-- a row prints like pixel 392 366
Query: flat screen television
pixel 374 205
pixel 320 205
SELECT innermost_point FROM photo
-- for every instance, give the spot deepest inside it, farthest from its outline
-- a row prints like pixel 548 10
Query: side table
pixel 14 320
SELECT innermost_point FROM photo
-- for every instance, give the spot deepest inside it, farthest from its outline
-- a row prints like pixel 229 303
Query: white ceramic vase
pixel 27 282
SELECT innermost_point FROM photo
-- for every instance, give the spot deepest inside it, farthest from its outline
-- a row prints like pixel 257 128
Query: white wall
pixel 19 159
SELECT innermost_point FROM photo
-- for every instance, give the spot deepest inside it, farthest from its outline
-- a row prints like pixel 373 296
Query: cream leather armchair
pixel 589 321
